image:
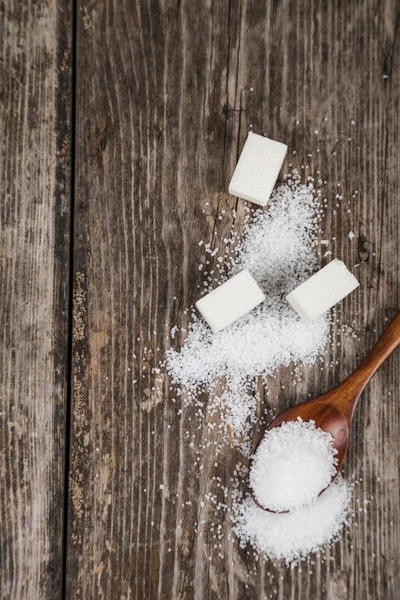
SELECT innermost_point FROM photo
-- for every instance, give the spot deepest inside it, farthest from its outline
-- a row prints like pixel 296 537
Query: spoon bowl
pixel 333 412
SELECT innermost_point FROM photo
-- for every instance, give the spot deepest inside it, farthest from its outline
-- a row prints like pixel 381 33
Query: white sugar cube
pixel 258 169
pixel 230 301
pixel 323 290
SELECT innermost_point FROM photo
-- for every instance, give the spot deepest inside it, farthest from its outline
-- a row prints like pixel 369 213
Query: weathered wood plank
pixel 35 107
pixel 164 104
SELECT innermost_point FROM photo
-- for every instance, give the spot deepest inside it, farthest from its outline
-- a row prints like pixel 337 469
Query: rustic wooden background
pixel 119 120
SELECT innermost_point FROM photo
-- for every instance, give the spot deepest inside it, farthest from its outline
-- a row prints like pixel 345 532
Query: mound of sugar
pixel 268 337
pixel 294 535
pixel 292 465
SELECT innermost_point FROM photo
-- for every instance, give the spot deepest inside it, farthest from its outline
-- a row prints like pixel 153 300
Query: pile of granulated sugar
pixel 292 465
pixel 278 250
pixel 294 535
pixel 270 336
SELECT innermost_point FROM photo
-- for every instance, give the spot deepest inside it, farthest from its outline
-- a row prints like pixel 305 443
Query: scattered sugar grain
pixel 277 250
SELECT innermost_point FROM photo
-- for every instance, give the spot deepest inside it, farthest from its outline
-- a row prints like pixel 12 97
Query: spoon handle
pixel 386 344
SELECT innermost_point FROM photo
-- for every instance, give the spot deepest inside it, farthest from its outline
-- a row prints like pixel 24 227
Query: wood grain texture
pixel 166 92
pixel 35 105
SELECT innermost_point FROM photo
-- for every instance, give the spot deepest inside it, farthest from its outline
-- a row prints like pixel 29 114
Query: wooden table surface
pixel 119 119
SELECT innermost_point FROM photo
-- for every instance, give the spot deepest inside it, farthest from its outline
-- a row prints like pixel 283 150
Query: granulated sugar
pixel 292 465
pixel 270 336
pixel 277 249
pixel 294 535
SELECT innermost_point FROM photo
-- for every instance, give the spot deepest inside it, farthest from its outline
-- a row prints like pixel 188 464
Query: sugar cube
pixel 323 290
pixel 258 169
pixel 230 301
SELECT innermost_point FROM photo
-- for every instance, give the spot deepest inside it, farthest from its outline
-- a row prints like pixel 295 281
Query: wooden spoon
pixel 333 411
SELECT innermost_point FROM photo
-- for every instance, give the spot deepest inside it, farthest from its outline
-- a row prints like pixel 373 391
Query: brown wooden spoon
pixel 333 411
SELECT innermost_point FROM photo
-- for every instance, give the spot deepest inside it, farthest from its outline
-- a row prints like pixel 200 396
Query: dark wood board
pixel 164 102
pixel 35 197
